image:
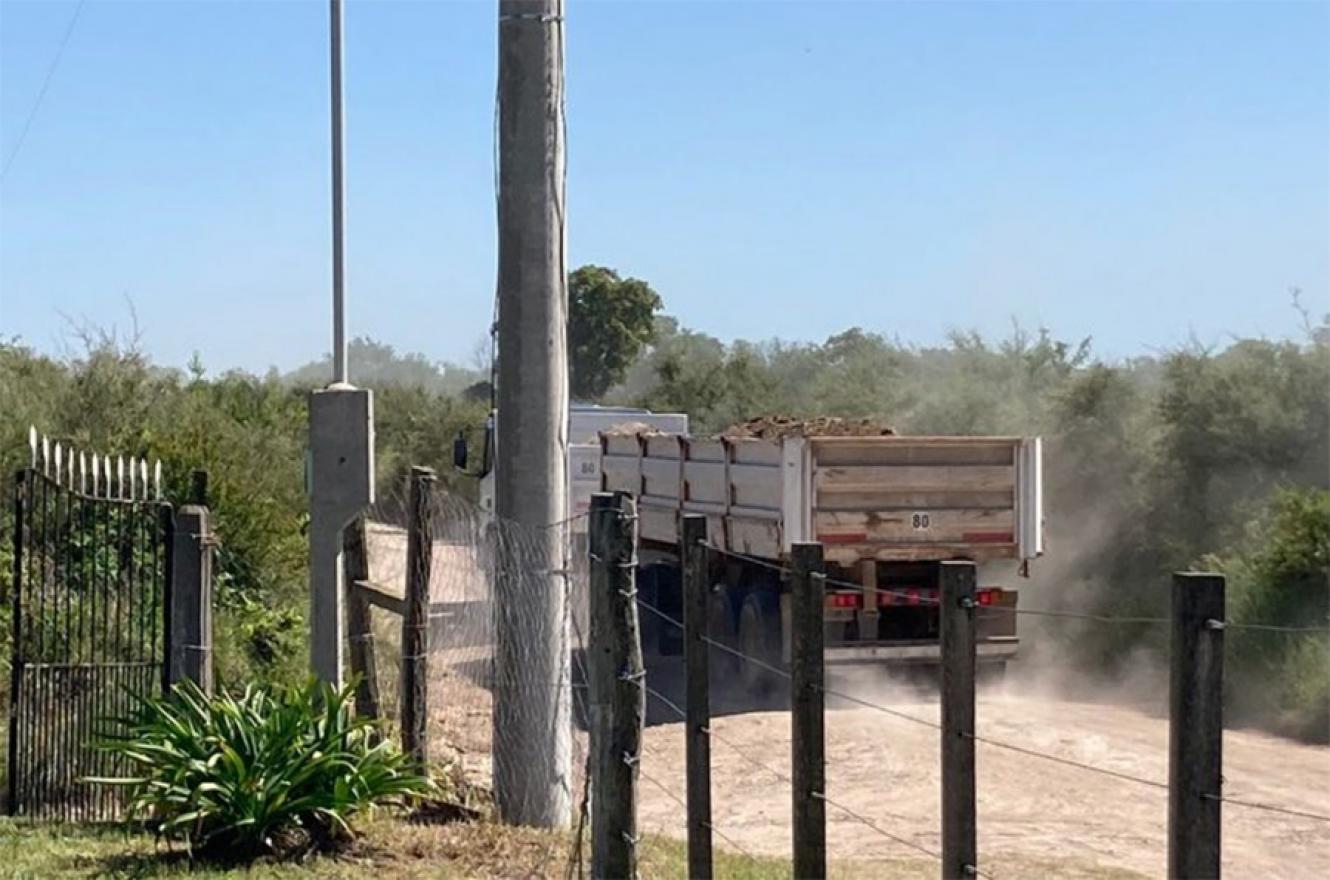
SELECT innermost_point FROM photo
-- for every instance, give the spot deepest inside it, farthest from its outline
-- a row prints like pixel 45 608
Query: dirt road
pixel 1035 817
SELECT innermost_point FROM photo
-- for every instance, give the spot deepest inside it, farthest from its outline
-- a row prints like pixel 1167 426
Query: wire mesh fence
pixel 483 569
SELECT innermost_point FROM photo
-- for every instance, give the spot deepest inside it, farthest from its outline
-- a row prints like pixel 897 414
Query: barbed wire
pixel 869 704
pixel 1057 759
pixel 666 701
pixel 822 796
pixel 1079 615
pixel 680 801
pixel 775 670
pixel 1270 627
pixel 916 598
pixel 714 734
pixel 755 560
pixel 571 519
pixel 786 778
pixel 1069 762
pixel 1254 805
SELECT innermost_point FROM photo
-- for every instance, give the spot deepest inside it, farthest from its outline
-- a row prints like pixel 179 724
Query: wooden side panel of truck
pixel 889 498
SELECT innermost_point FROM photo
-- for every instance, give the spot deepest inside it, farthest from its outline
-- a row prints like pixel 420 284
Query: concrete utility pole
pixel 532 725
pixel 341 432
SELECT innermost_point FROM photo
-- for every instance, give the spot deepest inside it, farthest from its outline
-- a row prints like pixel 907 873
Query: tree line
pixel 1197 456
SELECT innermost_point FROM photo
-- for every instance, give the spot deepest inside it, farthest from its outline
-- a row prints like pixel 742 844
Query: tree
pixel 378 365
pixel 610 320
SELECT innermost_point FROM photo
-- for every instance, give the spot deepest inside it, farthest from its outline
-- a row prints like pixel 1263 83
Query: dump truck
pixel 887 509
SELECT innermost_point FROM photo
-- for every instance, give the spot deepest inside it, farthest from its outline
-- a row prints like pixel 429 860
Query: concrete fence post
pixel 190 602
pixel 340 482
pixel 1195 726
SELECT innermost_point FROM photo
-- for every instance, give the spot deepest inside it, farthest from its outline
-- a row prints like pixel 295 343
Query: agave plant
pixel 258 772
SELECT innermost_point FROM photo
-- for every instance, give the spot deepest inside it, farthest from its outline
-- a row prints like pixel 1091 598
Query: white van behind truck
pixel 586 422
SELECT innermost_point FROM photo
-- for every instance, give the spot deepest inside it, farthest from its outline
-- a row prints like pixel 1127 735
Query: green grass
pixel 391 849
pixel 388 850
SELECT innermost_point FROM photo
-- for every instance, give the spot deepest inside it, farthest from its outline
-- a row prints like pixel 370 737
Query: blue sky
pixel 1140 173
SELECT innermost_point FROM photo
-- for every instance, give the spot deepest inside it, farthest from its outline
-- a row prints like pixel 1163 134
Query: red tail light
pixel 906 596
pixel 989 597
pixel 844 600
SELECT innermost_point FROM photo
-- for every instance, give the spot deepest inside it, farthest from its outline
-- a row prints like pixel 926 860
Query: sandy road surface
pixel 1030 811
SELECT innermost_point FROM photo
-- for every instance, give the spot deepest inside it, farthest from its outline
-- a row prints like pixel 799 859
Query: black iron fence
pixel 93 544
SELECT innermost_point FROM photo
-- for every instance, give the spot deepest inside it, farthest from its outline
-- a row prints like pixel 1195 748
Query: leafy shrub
pixel 269 771
pixel 1282 576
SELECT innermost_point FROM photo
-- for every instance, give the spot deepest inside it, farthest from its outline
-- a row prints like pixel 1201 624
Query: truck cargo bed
pixel 865 498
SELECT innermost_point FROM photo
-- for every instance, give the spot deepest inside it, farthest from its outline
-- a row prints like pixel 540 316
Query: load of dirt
pixel 775 427
pixel 632 429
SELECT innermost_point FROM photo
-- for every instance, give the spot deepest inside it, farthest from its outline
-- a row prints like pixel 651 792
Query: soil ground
pixel 1030 810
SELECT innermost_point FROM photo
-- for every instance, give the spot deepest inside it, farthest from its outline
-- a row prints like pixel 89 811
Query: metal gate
pixel 92 561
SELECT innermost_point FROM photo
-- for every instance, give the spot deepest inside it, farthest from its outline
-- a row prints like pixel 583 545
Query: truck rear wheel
pixel 759 639
pixel 720 629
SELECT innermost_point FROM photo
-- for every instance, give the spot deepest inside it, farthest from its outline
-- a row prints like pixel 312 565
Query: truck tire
pixel 724 665
pixel 759 638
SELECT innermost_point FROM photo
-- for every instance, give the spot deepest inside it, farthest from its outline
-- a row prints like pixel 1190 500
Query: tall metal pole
pixel 338 196
pixel 532 722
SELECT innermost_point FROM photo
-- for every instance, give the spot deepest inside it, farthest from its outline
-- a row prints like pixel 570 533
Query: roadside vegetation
pixel 274 771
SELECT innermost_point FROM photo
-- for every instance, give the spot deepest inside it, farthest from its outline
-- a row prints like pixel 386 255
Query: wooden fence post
pixel 190 603
pixel 1195 726
pixel 198 487
pixel 360 635
pixel 807 702
pixel 959 848
pixel 697 706
pixel 415 617
pixel 618 695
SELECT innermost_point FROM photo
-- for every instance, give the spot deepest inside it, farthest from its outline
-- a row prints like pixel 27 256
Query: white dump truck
pixel 887 510
pixel 586 421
